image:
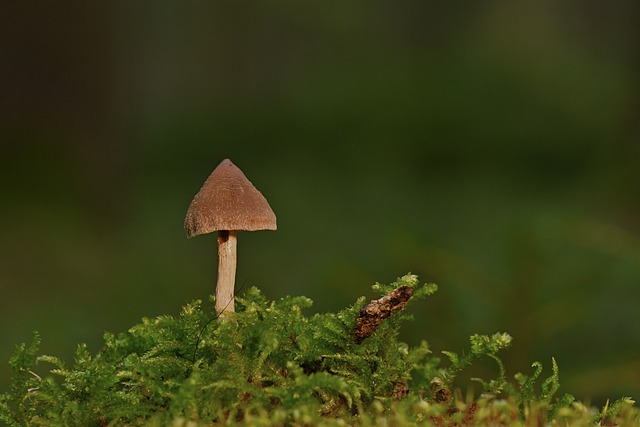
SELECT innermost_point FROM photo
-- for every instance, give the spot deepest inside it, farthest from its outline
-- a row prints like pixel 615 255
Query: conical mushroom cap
pixel 228 201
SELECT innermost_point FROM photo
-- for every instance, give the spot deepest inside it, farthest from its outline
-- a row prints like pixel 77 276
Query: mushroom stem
pixel 227 243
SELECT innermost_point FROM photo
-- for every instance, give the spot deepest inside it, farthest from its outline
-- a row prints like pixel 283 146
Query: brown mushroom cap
pixel 228 201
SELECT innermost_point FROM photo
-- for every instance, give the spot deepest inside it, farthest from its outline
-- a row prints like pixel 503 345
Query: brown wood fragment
pixel 376 311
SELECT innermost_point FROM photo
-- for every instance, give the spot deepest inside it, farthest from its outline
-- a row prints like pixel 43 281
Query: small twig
pixel 35 375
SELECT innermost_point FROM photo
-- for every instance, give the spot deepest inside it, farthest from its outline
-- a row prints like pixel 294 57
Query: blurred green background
pixel 490 147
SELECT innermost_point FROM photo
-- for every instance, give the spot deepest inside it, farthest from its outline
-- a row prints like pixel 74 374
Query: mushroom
pixel 227 203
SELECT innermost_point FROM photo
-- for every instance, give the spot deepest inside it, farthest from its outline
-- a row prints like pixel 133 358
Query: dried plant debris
pixel 376 311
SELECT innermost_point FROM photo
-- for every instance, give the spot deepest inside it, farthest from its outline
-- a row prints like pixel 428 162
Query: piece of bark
pixel 377 310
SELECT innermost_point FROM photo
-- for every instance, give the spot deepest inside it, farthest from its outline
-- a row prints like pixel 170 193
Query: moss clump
pixel 269 364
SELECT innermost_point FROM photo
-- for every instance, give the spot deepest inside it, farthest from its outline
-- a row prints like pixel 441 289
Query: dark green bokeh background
pixel 490 147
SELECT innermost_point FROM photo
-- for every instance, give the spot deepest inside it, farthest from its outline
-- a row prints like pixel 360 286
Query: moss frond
pixel 270 364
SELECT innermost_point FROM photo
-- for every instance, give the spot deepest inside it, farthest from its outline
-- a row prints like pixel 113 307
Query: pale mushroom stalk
pixel 227 203
pixel 227 244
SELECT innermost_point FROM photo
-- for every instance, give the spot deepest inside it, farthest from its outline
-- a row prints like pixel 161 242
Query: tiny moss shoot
pixel 270 364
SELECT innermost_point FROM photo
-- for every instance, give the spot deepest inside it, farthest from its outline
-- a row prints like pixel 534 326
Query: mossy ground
pixel 270 364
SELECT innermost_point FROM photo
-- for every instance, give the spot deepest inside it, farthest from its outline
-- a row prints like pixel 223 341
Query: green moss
pixel 270 364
